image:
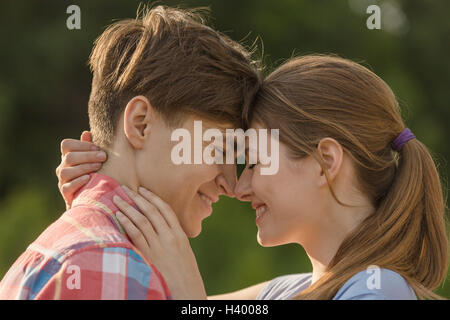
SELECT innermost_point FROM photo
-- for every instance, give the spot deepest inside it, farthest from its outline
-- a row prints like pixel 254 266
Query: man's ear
pixel 138 116
pixel 332 156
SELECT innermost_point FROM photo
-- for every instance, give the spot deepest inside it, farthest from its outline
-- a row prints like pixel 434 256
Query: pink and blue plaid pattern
pixel 85 254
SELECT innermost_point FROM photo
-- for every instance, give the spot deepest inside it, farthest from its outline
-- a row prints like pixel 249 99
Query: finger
pixel 166 211
pixel 68 145
pixel 139 220
pixel 58 169
pixel 86 136
pixel 150 211
pixel 134 233
pixel 68 189
pixel 67 174
pixel 75 158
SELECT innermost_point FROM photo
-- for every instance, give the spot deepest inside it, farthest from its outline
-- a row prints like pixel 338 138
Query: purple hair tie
pixel 401 139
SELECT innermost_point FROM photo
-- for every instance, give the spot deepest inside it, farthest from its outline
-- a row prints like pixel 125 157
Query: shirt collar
pixel 99 193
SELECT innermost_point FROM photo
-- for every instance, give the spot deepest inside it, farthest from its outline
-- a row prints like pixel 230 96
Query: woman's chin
pixel 264 241
pixel 270 240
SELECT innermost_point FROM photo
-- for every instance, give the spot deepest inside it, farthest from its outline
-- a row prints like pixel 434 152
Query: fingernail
pixel 85 177
pixel 142 189
pixel 119 214
pixel 127 190
pixel 101 155
pixel 117 199
pixel 96 166
pixel 95 148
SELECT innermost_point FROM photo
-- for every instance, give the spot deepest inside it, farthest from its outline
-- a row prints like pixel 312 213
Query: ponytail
pixel 416 198
pixel 406 234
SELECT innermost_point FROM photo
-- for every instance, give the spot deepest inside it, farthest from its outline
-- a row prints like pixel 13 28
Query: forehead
pixel 223 127
pixel 208 124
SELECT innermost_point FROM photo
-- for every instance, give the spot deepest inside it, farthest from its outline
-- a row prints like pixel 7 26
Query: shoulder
pixel 376 284
pixel 111 272
pixel 285 287
pixel 78 228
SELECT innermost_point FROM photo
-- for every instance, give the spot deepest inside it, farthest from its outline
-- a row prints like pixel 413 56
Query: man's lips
pixel 207 198
pixel 257 205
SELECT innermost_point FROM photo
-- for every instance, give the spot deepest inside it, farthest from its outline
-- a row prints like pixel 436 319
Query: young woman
pixel 355 188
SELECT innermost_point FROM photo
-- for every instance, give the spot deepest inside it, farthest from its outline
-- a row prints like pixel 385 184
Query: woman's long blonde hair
pixel 313 97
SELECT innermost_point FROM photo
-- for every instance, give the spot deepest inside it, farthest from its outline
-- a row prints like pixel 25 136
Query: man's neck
pixel 120 168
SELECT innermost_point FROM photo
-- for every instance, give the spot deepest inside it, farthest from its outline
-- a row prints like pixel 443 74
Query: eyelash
pixel 221 151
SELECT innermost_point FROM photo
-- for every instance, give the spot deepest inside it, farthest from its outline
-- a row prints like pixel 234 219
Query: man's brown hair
pixel 181 65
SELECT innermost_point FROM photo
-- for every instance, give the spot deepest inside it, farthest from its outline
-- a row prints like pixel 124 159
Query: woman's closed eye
pixel 220 151
pixel 247 161
pixel 251 166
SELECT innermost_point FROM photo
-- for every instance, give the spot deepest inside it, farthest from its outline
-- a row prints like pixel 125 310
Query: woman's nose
pixel 243 189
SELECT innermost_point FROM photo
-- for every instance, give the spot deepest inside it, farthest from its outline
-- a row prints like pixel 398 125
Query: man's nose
pixel 227 180
pixel 243 189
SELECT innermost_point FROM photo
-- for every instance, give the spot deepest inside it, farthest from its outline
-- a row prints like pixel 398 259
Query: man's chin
pixel 193 230
pixel 194 235
pixel 193 225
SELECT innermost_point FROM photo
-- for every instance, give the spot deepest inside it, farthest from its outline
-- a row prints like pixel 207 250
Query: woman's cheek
pixel 261 185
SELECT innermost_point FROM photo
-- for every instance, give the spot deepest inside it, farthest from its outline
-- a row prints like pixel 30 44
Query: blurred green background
pixel 45 85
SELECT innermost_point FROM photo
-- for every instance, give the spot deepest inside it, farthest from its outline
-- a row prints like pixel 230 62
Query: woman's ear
pixel 332 155
pixel 138 116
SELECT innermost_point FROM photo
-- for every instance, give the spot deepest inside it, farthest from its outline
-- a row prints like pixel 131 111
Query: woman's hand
pixel 157 233
pixel 78 159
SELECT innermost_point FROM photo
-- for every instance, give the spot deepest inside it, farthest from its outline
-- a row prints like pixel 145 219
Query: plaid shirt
pixel 85 254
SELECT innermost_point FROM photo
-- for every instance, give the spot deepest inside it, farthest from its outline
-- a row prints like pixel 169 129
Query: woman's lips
pixel 260 211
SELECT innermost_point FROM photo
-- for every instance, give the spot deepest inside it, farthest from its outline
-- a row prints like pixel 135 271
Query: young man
pixel 150 75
